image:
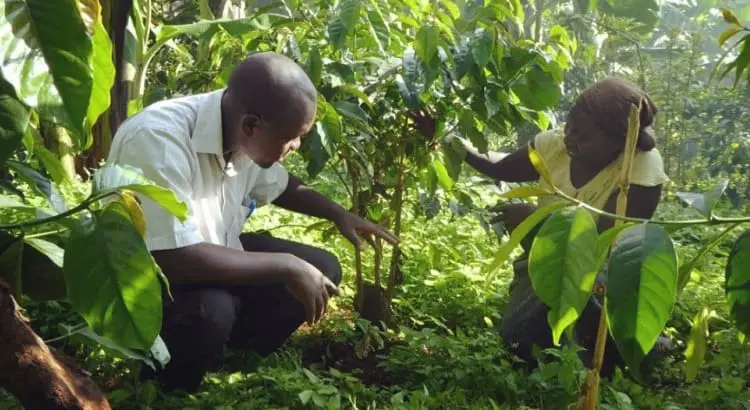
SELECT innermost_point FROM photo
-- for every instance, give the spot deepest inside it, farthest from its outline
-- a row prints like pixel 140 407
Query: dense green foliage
pixel 493 72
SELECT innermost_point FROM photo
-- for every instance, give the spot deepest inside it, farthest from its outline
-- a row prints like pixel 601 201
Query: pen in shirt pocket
pixel 250 205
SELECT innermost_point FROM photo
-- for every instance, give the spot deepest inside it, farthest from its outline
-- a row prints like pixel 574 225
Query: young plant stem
pixel 398 205
pixel 359 296
pixel 590 394
pixel 378 260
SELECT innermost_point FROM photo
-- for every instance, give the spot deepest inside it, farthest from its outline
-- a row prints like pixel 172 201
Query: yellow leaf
pixel 729 17
pixel 525 192
pixel 727 34
pixel 135 211
pixel 91 13
pixel 697 345
pixel 541 167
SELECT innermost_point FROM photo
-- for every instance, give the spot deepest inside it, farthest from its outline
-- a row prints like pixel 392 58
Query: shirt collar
pixel 207 135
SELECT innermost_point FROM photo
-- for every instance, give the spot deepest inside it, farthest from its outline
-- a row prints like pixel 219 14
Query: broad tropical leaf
pixel 347 15
pixel 104 73
pixel 314 66
pixel 50 71
pixel 379 28
pixel 642 277
pixel 522 230
pixel 112 280
pixel 562 266
pixel 315 150
pixel 737 282
pixel 427 41
pixel 14 118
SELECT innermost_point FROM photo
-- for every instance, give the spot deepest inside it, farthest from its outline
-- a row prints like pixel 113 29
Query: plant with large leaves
pixel 91 254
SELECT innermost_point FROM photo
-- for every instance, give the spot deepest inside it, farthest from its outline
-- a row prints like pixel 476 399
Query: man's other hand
pixel 352 227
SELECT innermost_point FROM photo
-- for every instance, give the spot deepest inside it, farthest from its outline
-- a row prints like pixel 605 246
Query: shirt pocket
pixel 240 215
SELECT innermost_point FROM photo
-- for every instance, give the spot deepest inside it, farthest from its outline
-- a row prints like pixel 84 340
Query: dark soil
pixel 342 356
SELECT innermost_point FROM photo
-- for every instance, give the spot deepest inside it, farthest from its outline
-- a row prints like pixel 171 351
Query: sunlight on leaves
pixel 642 277
pixel 562 264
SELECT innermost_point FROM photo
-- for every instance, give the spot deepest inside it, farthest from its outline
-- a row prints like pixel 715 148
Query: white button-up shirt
pixel 178 145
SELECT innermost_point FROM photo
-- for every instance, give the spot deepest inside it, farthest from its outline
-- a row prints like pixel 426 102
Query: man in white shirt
pixel 220 153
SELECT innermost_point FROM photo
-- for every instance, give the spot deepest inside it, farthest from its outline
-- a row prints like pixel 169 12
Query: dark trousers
pixel 202 320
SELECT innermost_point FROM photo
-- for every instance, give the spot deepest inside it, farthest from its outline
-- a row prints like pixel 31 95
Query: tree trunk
pixel 37 376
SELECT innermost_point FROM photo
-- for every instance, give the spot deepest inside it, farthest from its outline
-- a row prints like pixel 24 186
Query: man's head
pixel 268 106
pixel 598 121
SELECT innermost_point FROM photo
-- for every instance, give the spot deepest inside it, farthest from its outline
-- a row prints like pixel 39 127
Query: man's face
pixel 265 146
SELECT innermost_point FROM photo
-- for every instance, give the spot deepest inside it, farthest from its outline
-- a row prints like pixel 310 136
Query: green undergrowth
pixel 447 353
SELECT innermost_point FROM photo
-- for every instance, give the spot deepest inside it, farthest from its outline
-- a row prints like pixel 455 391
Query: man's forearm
pixel 216 264
pixel 298 197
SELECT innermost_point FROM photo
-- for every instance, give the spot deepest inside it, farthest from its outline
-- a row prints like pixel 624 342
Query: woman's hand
pixel 511 215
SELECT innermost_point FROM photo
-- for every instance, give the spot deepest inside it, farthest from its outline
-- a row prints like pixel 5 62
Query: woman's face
pixel 587 143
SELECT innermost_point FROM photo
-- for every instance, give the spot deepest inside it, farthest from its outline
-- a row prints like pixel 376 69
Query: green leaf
pixel 411 98
pixel 525 192
pixel 381 33
pixel 442 174
pixel 705 203
pixel 352 112
pixel 305 396
pixel 113 177
pixel 112 279
pixel 104 74
pixel 537 90
pixel 51 164
pixel 642 277
pixel 697 343
pixel 48 249
pixel 40 184
pixel 11 263
pixel 112 348
pixel 737 283
pixel 9 202
pixel 453 157
pixel 14 118
pixel 314 66
pixel 521 231
pixel 331 122
pixel 315 151
pixel 50 71
pixel 482 47
pixel 562 266
pixel 463 59
pixel 427 41
pixel 346 16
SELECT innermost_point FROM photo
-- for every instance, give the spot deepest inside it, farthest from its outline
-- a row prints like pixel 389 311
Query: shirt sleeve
pixel 165 160
pixel 270 184
pixel 648 169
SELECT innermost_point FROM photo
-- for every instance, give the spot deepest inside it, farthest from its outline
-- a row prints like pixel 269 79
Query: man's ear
pixel 250 124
